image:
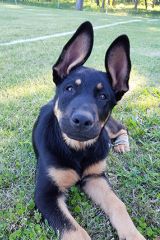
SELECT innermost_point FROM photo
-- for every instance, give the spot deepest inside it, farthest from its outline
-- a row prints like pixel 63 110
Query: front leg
pixel 100 192
pixel 118 135
pixel 50 201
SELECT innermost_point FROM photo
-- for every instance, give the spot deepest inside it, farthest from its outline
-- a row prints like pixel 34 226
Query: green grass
pixel 26 84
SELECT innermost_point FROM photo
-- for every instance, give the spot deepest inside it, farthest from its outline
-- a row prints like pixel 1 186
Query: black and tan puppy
pixel 70 138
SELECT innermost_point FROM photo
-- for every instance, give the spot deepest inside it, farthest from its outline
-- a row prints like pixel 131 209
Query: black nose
pixel 82 120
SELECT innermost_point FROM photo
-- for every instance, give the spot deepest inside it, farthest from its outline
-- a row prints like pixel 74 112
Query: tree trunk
pixel 153 3
pixel 113 3
pixel 97 2
pixel 103 5
pixel 79 4
pixel 146 5
pixel 135 4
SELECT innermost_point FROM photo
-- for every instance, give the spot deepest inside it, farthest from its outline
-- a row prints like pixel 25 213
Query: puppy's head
pixel 84 96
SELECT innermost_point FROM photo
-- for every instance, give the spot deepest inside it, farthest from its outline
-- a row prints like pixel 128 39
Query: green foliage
pixel 114 6
pixel 150 231
pixel 28 226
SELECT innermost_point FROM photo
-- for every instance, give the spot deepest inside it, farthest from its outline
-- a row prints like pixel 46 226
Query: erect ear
pixel 75 52
pixel 118 65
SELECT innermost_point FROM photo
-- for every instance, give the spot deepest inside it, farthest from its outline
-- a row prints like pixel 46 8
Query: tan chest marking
pixel 96 168
pixel 76 144
pixel 63 178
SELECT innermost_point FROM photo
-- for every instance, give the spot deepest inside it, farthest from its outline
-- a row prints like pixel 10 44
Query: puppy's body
pixel 70 137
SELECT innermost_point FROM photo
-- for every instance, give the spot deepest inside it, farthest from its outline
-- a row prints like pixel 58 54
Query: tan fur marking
pixel 115 135
pixel 76 144
pixel 64 209
pixel 101 194
pixel 96 168
pixel 99 86
pixel 57 111
pixel 78 82
pixel 79 233
pixel 64 178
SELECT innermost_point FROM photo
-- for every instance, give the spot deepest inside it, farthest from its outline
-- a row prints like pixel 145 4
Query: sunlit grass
pixel 33 88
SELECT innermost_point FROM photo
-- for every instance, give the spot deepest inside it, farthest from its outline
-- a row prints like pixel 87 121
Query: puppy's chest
pixel 81 161
pixel 64 178
pixel 74 166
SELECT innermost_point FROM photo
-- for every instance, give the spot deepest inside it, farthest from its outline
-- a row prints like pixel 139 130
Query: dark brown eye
pixel 69 88
pixel 102 96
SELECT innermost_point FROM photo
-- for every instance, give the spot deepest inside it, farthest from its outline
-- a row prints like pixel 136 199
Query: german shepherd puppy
pixel 71 135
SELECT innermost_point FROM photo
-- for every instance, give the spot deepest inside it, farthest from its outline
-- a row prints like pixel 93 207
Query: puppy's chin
pixel 80 138
pixel 80 135
pixel 78 143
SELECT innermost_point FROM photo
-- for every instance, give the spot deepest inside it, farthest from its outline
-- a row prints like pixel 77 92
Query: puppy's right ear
pixel 75 52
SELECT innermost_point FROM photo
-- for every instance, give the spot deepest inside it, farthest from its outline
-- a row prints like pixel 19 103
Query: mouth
pixel 81 134
pixel 79 137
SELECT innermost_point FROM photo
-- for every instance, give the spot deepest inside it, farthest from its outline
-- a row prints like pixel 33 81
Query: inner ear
pixel 75 52
pixel 118 65
pixel 73 55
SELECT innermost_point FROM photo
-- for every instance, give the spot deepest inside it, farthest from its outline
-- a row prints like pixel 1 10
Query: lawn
pixel 26 84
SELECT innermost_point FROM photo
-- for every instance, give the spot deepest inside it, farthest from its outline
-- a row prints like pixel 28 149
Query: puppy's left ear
pixel 118 65
pixel 75 52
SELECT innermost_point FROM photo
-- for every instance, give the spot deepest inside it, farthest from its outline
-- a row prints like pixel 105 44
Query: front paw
pixel 78 234
pixel 121 144
pixel 121 148
pixel 133 236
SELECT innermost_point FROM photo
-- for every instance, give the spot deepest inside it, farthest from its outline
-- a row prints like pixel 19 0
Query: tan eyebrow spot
pixel 78 82
pixel 99 86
